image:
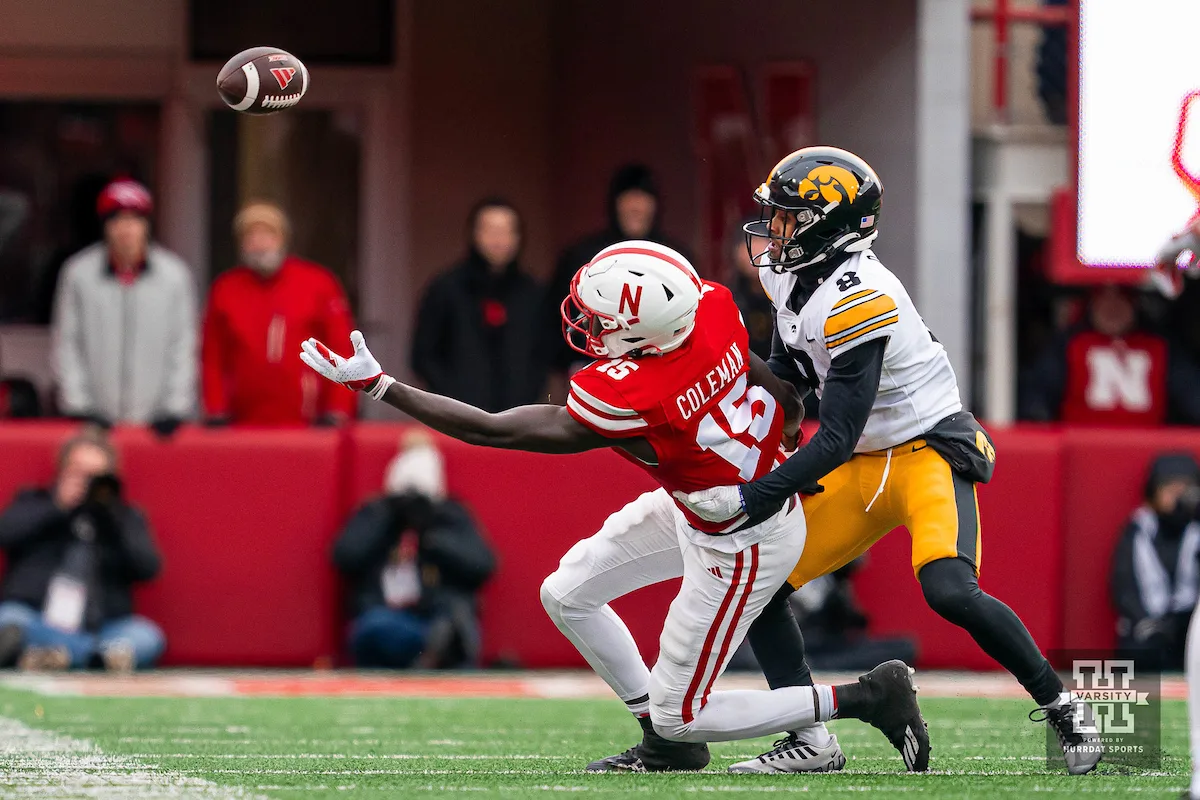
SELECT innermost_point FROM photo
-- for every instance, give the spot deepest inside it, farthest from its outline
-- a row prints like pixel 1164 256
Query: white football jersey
pixel 859 302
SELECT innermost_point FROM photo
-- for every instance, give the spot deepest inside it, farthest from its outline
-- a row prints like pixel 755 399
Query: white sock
pixel 816 735
pixel 1193 682
pixel 604 640
pixel 639 706
pixel 746 714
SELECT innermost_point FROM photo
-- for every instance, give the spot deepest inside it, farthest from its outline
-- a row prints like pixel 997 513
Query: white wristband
pixel 381 386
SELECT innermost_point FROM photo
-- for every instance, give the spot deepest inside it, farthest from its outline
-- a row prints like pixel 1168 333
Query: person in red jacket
pixel 258 314
pixel 1111 371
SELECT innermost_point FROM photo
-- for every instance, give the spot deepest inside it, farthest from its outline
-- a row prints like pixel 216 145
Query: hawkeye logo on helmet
pixel 830 183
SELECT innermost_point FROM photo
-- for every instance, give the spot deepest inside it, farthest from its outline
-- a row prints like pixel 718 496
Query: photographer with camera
pixel 73 552
pixel 414 562
pixel 1156 565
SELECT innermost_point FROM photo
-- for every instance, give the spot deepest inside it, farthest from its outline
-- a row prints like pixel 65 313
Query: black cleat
pixel 656 754
pixel 895 712
pixel 1072 721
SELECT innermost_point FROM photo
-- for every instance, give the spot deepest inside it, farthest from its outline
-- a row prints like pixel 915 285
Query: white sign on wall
pixel 1139 128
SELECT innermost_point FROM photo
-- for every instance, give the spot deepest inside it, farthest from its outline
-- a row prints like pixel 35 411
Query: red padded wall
pixel 244 520
pixel 1107 470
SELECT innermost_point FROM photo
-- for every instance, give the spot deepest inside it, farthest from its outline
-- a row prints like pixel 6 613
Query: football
pixel 262 80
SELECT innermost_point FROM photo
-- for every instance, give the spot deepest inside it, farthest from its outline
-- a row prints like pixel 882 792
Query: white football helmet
pixel 634 297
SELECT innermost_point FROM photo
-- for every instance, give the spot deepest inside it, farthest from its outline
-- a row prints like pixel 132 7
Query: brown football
pixel 262 80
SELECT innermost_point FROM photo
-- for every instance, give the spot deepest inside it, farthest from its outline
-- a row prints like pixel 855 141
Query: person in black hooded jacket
pixel 1155 574
pixel 633 213
pixel 479 337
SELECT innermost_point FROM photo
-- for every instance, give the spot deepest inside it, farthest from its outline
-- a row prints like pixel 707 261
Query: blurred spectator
pixel 124 324
pixel 82 228
pixel 19 399
pixel 752 301
pixel 73 553
pixel 258 314
pixel 479 338
pixel 1110 372
pixel 14 208
pixel 634 212
pixel 1156 565
pixel 414 561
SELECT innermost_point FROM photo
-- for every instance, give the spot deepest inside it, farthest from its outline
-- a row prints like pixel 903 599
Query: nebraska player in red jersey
pixel 675 390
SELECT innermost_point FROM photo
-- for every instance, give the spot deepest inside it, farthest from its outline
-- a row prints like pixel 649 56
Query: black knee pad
pixel 950 587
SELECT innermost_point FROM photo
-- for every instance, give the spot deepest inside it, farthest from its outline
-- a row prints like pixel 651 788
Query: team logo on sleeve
pixel 830 183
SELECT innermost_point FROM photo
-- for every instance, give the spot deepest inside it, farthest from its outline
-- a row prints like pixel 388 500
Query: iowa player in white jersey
pixel 894 447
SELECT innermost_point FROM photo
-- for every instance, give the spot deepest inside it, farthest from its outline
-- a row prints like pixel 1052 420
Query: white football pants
pixel 721 595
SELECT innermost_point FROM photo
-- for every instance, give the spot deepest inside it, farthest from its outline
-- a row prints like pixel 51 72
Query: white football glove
pixel 719 504
pixel 355 373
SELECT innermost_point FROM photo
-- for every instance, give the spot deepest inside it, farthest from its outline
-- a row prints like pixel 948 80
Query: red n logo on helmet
pixel 631 298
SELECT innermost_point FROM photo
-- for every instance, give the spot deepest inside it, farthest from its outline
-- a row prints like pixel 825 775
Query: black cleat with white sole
pixel 887 699
pixel 656 754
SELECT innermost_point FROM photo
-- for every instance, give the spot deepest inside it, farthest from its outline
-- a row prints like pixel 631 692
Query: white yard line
pixel 38 763
pixel 550 684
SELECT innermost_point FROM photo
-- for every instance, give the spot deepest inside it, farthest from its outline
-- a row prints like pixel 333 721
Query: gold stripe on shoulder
pixel 842 322
pixel 887 319
pixel 851 298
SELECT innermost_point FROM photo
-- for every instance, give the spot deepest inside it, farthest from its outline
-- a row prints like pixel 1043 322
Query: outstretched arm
pixel 539 429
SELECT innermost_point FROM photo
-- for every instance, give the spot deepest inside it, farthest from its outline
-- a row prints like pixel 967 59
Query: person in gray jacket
pixel 124 325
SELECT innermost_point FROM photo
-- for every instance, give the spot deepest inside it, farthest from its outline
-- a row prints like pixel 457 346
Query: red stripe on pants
pixel 737 615
pixel 710 640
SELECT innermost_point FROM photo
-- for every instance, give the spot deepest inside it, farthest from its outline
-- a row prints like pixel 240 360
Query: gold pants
pixel 873 493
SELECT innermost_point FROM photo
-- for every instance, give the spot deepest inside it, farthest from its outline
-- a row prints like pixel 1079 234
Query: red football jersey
pixel 694 405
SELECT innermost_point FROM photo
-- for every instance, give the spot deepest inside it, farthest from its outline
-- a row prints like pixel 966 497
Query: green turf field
pixel 410 748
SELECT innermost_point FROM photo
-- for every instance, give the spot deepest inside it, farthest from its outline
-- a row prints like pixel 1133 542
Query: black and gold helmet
pixel 836 197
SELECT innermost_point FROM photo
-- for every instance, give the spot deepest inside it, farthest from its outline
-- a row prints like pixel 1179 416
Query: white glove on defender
pixel 355 373
pixel 715 505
